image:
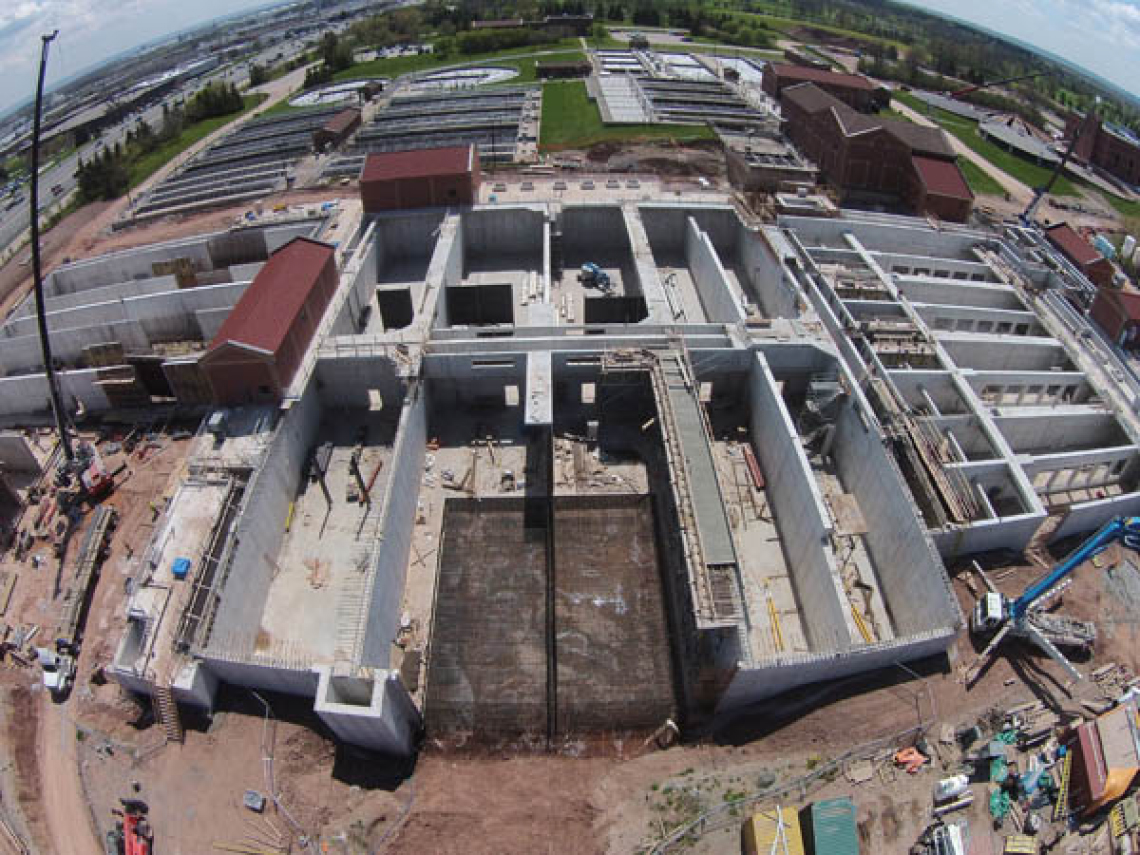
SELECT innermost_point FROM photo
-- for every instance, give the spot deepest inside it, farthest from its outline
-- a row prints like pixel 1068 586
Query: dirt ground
pixel 101 745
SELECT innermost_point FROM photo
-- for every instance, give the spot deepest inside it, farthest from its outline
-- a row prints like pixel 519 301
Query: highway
pixel 14 223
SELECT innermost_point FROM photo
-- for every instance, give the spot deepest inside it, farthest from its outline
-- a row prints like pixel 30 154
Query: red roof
pixel 1127 302
pixel 942 177
pixel 342 121
pixel 266 311
pixel 1069 241
pixel 420 163
pixel 820 75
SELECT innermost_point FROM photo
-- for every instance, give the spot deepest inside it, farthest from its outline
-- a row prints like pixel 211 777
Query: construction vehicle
pixel 132 834
pixel 58 664
pixel 1024 616
pixel 592 276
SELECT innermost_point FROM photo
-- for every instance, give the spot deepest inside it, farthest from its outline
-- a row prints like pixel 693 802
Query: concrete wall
pixel 16 454
pixel 759 258
pixel 29 392
pixel 390 562
pixel 504 231
pixel 665 226
pixel 720 302
pixel 953 293
pixel 1007 533
pixel 1061 431
pixel 913 581
pixel 779 674
pixel 134 288
pixel 257 537
pixel 254 675
pixel 1086 516
pixel 387 722
pixel 1003 353
pixel 903 235
pixel 800 514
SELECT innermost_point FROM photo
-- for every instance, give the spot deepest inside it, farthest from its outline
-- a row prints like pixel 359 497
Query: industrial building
pixel 1118 315
pixel 497 121
pixel 854 90
pixel 1081 253
pixel 429 178
pixel 256 159
pixel 872 159
pixel 535 448
pixel 128 329
pixel 1112 148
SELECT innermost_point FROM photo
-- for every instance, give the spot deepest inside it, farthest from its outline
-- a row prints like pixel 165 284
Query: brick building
pixel 259 347
pixel 1081 253
pixel 424 178
pixel 1118 314
pixel 336 130
pixel 868 155
pixel 1114 149
pixel 854 90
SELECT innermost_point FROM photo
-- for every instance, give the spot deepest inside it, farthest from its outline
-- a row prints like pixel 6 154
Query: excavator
pixel 1025 617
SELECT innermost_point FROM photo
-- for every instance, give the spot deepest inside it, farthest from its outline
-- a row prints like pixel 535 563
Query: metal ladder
pixel 1062 805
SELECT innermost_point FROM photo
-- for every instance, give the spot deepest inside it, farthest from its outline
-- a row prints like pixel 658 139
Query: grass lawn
pixel 526 65
pixel 145 166
pixel 967 131
pixel 980 182
pixel 571 120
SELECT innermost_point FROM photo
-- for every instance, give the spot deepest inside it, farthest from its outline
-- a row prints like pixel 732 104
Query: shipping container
pixel 829 828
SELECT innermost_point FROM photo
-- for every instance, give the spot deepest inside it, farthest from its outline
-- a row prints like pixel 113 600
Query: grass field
pixel 980 182
pixel 571 120
pixel 966 130
pixel 146 166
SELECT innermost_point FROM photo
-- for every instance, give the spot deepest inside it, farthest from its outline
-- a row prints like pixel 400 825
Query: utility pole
pixel 37 271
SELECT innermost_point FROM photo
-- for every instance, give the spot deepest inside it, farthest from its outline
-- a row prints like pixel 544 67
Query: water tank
pixel 1129 246
pixel 1104 246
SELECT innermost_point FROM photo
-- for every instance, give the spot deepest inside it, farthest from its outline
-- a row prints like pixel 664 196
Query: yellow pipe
pixel 289 519
pixel 774 617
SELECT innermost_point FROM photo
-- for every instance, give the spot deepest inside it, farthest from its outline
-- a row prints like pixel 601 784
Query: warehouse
pixel 1081 253
pixel 854 90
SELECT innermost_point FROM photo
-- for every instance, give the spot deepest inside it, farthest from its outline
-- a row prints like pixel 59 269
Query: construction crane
pixel 1041 192
pixel 960 92
pixel 1024 616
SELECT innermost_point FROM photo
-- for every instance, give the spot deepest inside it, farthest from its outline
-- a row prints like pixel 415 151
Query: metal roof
pixel 942 177
pixel 833 829
pixel 1078 250
pixel 419 163
pixel 266 311
pixel 820 75
pixel 342 121
pixel 1014 138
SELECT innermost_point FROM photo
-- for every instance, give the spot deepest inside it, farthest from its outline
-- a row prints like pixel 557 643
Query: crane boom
pixel 1126 529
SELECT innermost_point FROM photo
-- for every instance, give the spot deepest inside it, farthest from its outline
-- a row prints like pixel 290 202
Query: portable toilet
pixel 772 831
pixel 829 827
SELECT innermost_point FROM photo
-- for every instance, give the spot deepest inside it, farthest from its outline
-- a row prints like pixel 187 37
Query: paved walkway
pixel 1020 192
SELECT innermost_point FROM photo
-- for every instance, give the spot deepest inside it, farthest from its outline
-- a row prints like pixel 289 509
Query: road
pixel 65 809
pixel 1019 192
pixel 14 222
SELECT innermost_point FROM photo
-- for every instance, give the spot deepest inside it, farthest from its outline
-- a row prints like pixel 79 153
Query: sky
pixel 90 31
pixel 1101 35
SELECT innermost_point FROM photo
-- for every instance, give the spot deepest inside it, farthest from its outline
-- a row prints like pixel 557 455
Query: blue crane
pixel 1023 616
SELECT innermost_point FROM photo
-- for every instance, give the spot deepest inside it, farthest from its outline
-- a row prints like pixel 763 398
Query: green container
pixel 831 828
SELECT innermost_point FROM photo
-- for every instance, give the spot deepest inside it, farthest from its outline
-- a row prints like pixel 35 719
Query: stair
pixel 166 712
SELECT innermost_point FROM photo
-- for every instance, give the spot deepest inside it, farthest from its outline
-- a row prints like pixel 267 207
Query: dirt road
pixel 65 810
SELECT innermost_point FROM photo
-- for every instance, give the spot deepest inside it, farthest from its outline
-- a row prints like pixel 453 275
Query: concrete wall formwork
pixel 801 517
pixel 375 713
